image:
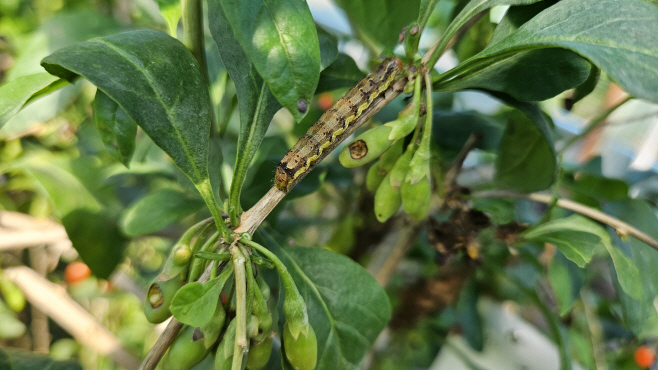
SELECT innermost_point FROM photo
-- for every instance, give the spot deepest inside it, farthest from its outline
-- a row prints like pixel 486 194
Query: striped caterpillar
pixel 334 122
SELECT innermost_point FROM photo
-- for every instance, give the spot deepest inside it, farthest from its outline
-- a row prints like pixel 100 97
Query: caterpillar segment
pixel 333 123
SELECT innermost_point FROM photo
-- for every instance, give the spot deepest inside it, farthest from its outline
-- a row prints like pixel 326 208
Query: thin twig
pixel 592 213
pixel 392 250
pixel 594 123
pixel 54 302
pixel 453 172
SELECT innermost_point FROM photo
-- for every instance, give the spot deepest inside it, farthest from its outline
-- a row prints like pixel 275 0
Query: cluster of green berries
pixel 217 321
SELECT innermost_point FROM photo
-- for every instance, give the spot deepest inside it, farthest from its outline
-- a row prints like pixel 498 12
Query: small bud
pixel 414 30
pixel 182 254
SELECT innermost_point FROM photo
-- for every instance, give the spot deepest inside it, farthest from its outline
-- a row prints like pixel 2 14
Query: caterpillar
pixel 334 122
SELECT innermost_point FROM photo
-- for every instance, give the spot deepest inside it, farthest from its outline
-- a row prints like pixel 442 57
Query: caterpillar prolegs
pixel 334 122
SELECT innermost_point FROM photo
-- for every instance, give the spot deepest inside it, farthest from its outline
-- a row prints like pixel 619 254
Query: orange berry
pixel 325 101
pixel 76 272
pixel 644 357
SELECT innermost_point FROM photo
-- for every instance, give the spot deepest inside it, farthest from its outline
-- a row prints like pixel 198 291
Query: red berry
pixel 325 101
pixel 644 357
pixel 76 272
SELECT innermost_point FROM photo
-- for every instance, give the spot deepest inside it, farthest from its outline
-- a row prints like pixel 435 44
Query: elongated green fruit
pixel 184 354
pixel 157 305
pixel 301 352
pixel 366 147
pixel 259 354
pixel 387 200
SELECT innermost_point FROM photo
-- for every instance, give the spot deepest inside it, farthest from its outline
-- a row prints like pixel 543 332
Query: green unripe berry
pixel 221 362
pixel 301 352
pixel 259 354
pixel 158 299
pixel 387 200
pixel 374 177
pixel 366 147
pixel 184 354
pixel 416 198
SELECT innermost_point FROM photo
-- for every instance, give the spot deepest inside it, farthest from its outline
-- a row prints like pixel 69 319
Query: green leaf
pixel 566 279
pixel 97 239
pixel 378 22
pixel 328 47
pixel 342 73
pixel 526 159
pixel 256 102
pixel 426 9
pixel 116 128
pixel 156 80
pixel 158 210
pixel 15 94
pixel 470 10
pixel 516 16
pixel 532 75
pixel 575 236
pixel 13 359
pixel 610 33
pixel 637 213
pixel 598 187
pixel 55 178
pixel 195 303
pixel 171 11
pixel 280 39
pixel 452 129
pixel 588 86
pixel 346 306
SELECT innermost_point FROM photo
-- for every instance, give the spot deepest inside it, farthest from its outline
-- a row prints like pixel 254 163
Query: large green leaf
pixel 328 47
pixel 97 239
pixel 470 10
pixel 15 94
pixel 256 102
pixel 158 210
pixel 379 22
pixel 56 180
pixel 526 158
pixel 575 236
pixel 637 213
pixel 616 35
pixel 346 306
pixel 280 39
pixel 342 73
pixel 155 79
pixel 116 128
pixel 532 75
pixel 452 129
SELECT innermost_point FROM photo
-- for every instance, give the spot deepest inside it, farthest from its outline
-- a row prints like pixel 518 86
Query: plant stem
pixel 208 195
pixel 594 123
pixel 592 213
pixel 241 343
pixel 193 32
